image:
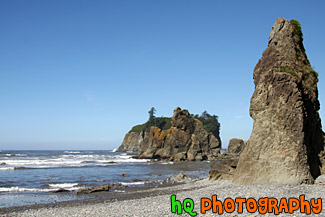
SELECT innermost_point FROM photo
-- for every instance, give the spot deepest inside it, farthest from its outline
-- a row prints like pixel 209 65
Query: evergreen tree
pixel 152 112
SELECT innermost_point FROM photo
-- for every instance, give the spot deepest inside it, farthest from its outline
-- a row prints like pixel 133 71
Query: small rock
pixel 236 146
pixel 124 174
pixel 320 180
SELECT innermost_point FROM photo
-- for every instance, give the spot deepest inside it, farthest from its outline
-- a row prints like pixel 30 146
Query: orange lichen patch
pixel 279 20
pixel 158 133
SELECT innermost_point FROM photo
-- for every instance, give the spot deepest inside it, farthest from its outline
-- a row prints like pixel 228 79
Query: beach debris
pixel 182 177
pixel 93 189
pixel 115 186
pixel 111 162
pixel 152 174
pixel 60 190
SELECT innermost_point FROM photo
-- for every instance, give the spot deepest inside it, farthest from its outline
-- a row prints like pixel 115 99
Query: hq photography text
pixel 262 205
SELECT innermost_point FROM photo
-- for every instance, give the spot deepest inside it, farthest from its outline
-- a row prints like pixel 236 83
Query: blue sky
pixel 79 74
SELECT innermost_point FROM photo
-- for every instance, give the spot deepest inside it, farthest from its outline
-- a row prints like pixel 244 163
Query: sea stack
pixel 186 140
pixel 287 139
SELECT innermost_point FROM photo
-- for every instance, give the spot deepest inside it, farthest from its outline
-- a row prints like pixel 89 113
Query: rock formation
pixel 236 146
pixel 132 141
pixel 287 139
pixel 223 170
pixel 185 140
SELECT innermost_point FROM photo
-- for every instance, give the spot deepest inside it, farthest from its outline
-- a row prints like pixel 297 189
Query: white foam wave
pixel 14 155
pixel 63 185
pixel 67 160
pixel 72 152
pixel 127 159
pixel 66 186
pixel 7 168
pixel 132 183
pixel 18 189
pixel 52 187
pixel 167 163
pixel 114 150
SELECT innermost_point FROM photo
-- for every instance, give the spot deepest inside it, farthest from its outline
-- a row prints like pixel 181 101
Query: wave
pixel 167 163
pixel 72 152
pixel 18 189
pixel 13 155
pixel 52 187
pixel 68 160
pixel 66 186
pixel 7 168
pixel 114 150
pixel 132 183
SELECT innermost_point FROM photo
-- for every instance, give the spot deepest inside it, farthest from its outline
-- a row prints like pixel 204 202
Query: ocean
pixel 28 177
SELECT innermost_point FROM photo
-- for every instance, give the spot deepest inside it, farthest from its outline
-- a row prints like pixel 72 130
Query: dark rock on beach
pixel 93 189
pixel 286 143
pixel 185 140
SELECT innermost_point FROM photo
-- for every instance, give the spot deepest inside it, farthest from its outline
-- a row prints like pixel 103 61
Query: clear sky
pixel 79 74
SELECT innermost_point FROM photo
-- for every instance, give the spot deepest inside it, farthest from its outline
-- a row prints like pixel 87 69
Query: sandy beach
pixel 157 201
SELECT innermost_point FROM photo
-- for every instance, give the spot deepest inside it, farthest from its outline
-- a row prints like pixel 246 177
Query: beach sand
pixel 157 201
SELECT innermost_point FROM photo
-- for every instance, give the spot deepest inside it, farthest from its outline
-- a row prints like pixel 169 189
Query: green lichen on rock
pixel 310 76
pixel 297 28
pixel 287 69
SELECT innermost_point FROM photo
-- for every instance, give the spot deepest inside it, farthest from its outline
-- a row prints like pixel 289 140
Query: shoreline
pixel 156 201
pixel 127 193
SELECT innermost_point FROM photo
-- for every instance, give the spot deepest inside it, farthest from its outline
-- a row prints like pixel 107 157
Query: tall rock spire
pixel 287 139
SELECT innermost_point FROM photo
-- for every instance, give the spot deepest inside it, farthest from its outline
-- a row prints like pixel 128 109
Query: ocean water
pixel 28 177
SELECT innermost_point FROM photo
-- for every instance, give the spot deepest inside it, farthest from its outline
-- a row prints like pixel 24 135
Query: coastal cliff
pixel 286 145
pixel 139 134
pixel 186 139
pixel 132 141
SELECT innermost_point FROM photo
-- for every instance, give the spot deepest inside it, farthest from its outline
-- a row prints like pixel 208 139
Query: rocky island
pixel 180 138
